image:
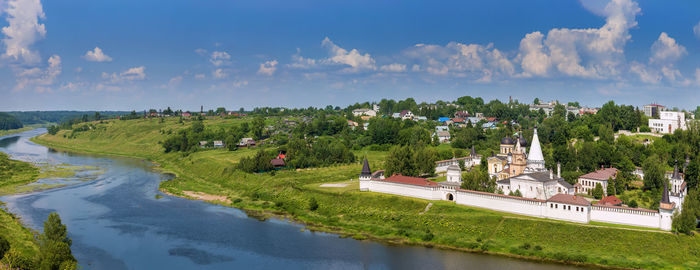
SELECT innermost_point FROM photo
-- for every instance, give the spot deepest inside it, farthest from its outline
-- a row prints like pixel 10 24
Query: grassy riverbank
pixel 364 215
pixel 20 130
pixel 12 175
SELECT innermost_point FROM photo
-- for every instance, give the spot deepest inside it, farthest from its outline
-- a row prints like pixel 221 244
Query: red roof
pixel 490 119
pixel 458 120
pixel 282 156
pixel 610 200
pixel 400 179
pixel 602 174
pixel 569 199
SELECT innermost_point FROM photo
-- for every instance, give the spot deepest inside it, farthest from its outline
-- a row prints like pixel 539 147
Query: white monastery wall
pixel 428 193
pixel 499 203
pixel 625 216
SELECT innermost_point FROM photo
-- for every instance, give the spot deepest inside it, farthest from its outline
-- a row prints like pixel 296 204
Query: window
pixel 551 205
pixel 556 206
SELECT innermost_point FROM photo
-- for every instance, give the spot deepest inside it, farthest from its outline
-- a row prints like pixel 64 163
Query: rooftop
pixel 400 179
pixel 569 199
pixel 610 200
pixel 601 174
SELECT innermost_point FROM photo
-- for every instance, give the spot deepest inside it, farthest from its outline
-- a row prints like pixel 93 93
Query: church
pixel 534 180
pixel 510 161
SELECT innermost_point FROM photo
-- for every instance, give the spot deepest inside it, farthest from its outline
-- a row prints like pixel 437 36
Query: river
pixel 116 222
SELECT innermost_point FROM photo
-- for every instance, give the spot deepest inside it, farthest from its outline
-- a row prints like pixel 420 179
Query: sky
pixel 140 54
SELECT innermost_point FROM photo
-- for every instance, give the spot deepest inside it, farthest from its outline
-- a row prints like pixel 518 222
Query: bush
pixel 525 246
pixel 313 204
pixel 428 235
pixel 633 204
pixel 14 259
pixel 4 246
pixel 237 200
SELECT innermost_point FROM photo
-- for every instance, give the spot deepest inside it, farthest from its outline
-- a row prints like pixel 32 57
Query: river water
pixel 116 222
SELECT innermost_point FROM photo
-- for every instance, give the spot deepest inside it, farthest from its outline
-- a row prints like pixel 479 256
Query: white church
pixel 544 195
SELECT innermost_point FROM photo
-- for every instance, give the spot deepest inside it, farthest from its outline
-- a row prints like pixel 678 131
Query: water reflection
pixel 117 223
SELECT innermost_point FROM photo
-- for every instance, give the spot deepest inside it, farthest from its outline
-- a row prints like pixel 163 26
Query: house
pixel 396 115
pixel 406 115
pixel 473 120
pixel 443 136
pixel 610 201
pixel 218 144
pixel 352 124
pixel 489 125
pixel 365 125
pixel 282 155
pixel 365 112
pixel 203 144
pixel 442 128
pixel 420 118
pixel 277 163
pixel 588 181
pixel 443 119
pixel 461 114
pixel 458 120
pixel 186 114
pixel 246 142
pixel 668 122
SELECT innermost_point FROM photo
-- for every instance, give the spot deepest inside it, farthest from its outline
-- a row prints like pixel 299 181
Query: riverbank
pixel 15 173
pixel 20 130
pixel 364 215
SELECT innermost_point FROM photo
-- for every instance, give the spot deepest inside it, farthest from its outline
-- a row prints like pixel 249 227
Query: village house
pixel 406 115
pixel 246 142
pixel 443 136
pixel 461 114
pixel 218 144
pixel 469 161
pixel 203 144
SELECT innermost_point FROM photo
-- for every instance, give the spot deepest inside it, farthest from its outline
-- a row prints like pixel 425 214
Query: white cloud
pixel 415 68
pixel 587 53
pixel 395 67
pixel 175 80
pixel 23 30
pixel 41 79
pixel 473 61
pixel 696 30
pixel 200 76
pixel 665 50
pixel 645 75
pixel 268 68
pixel 97 55
pixel 299 61
pixel 129 75
pixel 219 73
pixel 220 58
pixel 352 58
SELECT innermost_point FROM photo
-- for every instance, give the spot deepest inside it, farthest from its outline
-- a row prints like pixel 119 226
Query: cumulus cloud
pixel 299 61
pixel 353 58
pixel 23 30
pixel 200 76
pixel 395 67
pixel 219 73
pixel 97 55
pixel 220 58
pixel 696 30
pixel 129 75
pixel 645 75
pixel 665 50
pixel 39 78
pixel 268 68
pixel 587 53
pixel 473 61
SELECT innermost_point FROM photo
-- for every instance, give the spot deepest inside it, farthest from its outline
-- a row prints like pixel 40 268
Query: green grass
pixel 645 198
pixel 15 174
pixel 363 215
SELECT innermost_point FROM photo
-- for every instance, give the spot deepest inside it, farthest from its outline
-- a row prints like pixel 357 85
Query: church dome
pixel 523 141
pixel 507 140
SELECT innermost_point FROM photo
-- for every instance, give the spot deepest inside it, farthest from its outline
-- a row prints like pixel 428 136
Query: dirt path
pixel 427 207
pixel 206 197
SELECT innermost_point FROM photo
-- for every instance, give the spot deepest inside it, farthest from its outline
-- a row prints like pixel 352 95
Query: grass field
pixel 14 175
pixel 364 215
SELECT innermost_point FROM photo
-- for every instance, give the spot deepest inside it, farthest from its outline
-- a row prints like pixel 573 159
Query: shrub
pixel 633 204
pixel 525 246
pixel 15 260
pixel 237 200
pixel 313 204
pixel 4 246
pixel 428 235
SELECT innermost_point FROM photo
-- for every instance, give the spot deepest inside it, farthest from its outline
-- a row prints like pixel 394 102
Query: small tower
pixel 454 174
pixel 678 188
pixel 366 173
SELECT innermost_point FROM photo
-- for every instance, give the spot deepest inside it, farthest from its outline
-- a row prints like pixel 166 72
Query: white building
pixel 469 161
pixel 668 122
pixel 361 112
pixel 651 110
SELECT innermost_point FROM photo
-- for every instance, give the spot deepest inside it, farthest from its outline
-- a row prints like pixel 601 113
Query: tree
pixel 54 245
pixel 258 127
pixel 401 160
pixel 536 101
pixel 653 173
pixel 517 193
pixel 632 204
pixel 610 189
pixel 597 191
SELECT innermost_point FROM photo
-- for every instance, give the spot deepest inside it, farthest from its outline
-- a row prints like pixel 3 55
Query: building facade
pixel 668 122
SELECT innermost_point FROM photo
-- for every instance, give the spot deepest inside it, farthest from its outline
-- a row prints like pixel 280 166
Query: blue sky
pixel 123 55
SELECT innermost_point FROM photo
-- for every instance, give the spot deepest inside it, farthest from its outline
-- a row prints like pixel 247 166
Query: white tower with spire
pixel 535 159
